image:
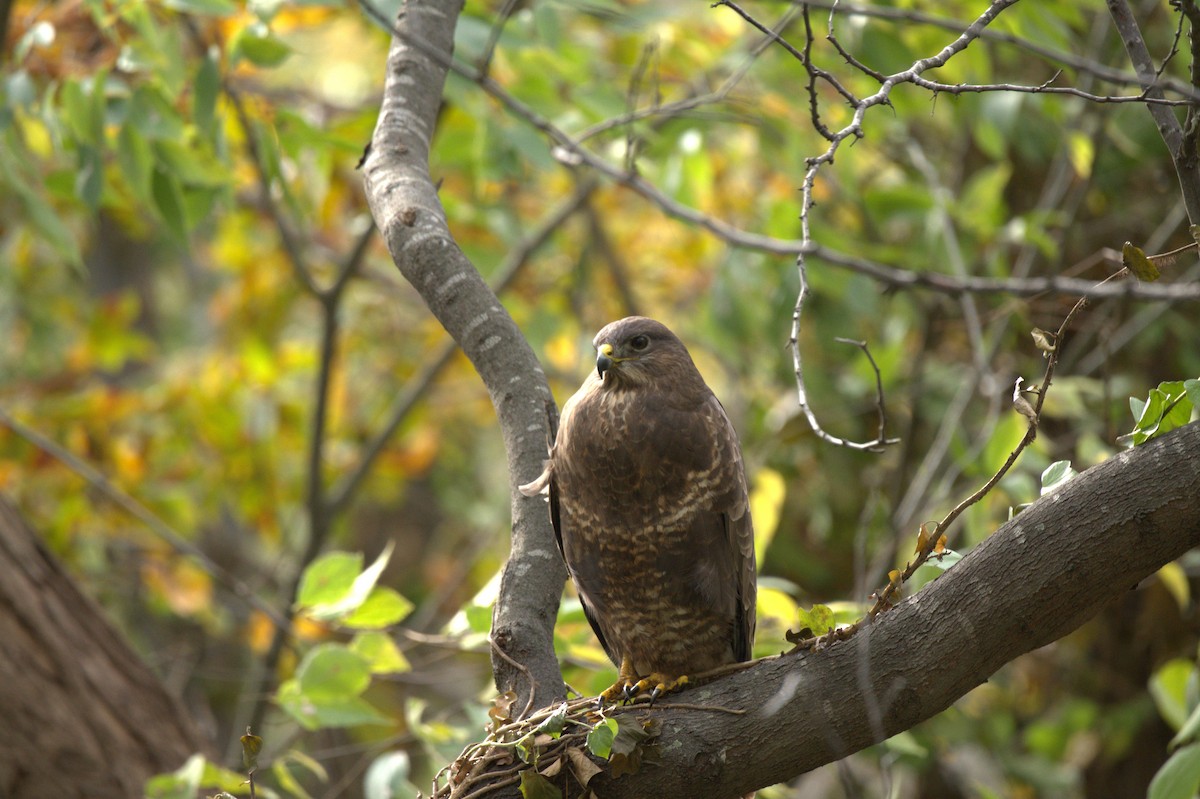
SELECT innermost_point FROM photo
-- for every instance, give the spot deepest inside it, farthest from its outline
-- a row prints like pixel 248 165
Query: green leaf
pixel 168 200
pixel 333 587
pixel 382 608
pixel 328 579
pixel 205 89
pixel 314 714
pixel 77 112
pixel 535 786
pixel 190 165
pixel 287 780
pixel 1188 731
pixel 1055 475
pixel 136 160
pixel 600 738
pixel 219 8
pixel 256 44
pixel 944 561
pixel 387 777
pixel 1192 388
pixel 38 211
pixel 1167 407
pixel 151 112
pixel 380 652
pixel 479 618
pixel 1179 777
pixel 1168 687
pixel 554 723
pixel 332 672
pixel 89 176
pixel 186 781
pixel 819 619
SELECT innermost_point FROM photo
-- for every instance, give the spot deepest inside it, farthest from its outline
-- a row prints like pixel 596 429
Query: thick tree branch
pixel 406 208
pixel 1037 578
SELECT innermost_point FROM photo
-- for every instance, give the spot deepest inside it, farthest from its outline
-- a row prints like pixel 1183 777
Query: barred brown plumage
pixel 649 504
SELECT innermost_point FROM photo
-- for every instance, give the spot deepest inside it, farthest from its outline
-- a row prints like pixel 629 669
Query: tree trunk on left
pixel 82 715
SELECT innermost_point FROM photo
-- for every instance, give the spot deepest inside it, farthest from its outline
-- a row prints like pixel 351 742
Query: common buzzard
pixel 648 500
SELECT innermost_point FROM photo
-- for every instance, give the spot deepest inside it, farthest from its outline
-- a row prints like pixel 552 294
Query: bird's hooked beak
pixel 605 359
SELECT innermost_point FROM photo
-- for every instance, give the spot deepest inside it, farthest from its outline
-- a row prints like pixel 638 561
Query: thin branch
pixel 484 65
pixel 1172 133
pixel 876 444
pixel 880 406
pixel 521 667
pixel 1046 88
pixel 1057 57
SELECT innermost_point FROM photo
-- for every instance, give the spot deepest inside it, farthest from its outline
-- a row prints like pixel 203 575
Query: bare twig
pixel 484 65
pixel 521 668
pixel 880 406
pixel 1073 61
pixel 874 445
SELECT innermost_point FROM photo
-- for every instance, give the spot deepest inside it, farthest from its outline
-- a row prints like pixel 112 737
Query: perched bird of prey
pixel 648 499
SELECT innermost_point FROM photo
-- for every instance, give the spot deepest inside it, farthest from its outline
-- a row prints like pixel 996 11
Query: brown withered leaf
pixel 501 710
pixel 582 766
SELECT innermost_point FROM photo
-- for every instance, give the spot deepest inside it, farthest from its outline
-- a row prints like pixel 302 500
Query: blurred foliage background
pixel 177 176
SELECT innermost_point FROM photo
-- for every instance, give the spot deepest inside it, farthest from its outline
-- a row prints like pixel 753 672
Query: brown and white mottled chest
pixel 641 464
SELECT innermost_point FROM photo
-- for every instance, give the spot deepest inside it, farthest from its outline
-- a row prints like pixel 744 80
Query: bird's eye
pixel 639 343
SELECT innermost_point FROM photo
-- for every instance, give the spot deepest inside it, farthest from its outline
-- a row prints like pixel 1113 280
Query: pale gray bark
pixel 406 208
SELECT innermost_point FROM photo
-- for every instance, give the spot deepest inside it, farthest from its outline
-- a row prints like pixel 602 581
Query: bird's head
pixel 637 351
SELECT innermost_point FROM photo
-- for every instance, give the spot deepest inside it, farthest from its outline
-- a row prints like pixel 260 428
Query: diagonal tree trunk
pixel 80 714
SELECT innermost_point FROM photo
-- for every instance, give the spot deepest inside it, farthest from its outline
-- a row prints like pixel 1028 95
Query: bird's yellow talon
pixel 629 687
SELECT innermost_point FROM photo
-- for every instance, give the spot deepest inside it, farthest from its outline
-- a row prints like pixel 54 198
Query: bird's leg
pixel 659 684
pixel 624 688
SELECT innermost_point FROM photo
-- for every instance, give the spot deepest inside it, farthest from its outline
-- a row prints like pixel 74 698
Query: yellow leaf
pixel 776 606
pixel 1082 153
pixel 251 746
pixel 1135 261
pixel 258 631
pixel 922 540
pixel 766 502
pixel 562 353
pixel 127 457
pixel 308 629
pixel 1175 581
pixel 186 588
